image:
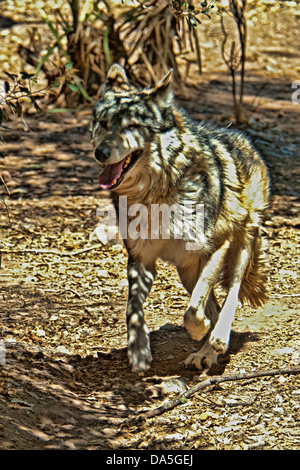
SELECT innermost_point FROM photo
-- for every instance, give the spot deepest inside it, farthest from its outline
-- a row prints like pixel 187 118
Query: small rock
pixel 40 332
pixel 283 351
pixel 62 349
pixel 166 327
pixel 102 273
pixel 173 385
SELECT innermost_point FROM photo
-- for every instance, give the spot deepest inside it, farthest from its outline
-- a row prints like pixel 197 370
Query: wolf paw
pixel 139 352
pixel 218 345
pixel 196 325
pixel 219 342
pixel 203 359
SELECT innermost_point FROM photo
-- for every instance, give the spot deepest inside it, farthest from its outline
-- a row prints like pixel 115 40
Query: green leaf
pixel 44 59
pixel 61 110
pixel 73 87
pixel 84 93
pixel 106 47
pixel 56 35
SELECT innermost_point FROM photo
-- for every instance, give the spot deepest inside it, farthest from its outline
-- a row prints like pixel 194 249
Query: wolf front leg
pixel 203 299
pixel 140 279
pixel 195 320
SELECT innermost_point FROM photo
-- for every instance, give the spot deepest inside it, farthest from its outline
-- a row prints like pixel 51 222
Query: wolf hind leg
pixel 219 338
pixel 220 335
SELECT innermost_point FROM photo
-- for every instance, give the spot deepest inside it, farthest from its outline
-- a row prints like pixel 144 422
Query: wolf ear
pixel 116 79
pixel 163 88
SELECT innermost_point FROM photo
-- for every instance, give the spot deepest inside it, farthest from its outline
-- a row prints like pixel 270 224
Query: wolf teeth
pixel 114 181
pixel 127 161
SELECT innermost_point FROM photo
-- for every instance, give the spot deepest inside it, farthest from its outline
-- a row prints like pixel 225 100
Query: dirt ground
pixel 64 376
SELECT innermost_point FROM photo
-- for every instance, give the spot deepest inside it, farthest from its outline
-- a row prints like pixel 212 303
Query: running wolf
pixel 150 151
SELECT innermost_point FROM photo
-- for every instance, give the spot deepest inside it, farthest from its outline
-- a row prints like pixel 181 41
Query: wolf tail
pixel 253 288
pixel 254 284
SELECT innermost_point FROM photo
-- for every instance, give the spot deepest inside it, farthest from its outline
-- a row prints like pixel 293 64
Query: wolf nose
pixel 102 154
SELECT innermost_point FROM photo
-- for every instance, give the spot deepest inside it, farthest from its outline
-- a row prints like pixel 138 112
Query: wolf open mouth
pixel 114 173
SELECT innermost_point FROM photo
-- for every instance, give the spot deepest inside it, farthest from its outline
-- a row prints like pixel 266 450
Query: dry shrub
pixel 147 39
pixel 162 34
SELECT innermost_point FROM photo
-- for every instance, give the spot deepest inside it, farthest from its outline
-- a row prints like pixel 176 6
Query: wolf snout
pixel 102 154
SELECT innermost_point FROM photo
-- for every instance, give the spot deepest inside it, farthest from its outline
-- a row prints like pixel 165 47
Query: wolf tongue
pixel 110 173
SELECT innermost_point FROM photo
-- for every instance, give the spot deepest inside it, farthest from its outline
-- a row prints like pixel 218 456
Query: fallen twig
pixel 52 252
pixel 279 296
pixel 169 405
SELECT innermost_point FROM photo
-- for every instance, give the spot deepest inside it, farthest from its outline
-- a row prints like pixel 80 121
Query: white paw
pixel 218 345
pixel 219 342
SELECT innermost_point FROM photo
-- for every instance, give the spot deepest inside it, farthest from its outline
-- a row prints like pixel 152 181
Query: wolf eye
pixel 133 126
pixel 103 124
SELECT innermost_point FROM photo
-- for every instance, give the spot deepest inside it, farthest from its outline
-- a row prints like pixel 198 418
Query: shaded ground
pixel 66 383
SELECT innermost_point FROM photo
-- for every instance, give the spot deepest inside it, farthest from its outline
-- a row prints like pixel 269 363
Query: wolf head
pixel 124 120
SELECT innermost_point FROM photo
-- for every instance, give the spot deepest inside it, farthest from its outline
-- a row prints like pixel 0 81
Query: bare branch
pixel 169 405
